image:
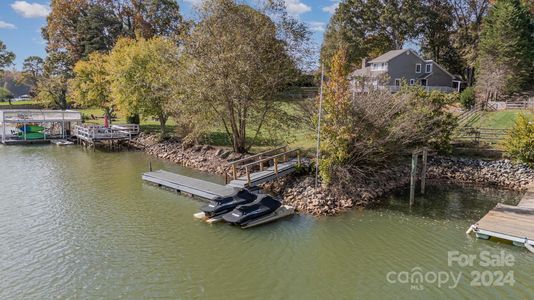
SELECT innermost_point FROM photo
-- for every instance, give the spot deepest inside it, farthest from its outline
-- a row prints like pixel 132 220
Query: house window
pixel 379 66
pixel 428 68
pixel 397 82
pixel 412 81
pixel 423 82
pixel 418 68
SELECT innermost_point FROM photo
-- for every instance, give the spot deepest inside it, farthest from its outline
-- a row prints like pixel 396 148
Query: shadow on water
pixel 447 201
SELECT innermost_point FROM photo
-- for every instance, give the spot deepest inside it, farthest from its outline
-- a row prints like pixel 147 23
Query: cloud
pixel 6 25
pixel 30 10
pixel 331 8
pixel 317 26
pixel 295 7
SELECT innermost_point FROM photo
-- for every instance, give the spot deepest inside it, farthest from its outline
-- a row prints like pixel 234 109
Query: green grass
pixel 147 124
pixel 501 119
pixel 17 103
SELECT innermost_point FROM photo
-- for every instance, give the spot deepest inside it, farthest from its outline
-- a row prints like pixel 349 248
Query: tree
pixel 436 39
pixel 53 85
pixel 79 27
pixel 157 18
pixel 370 28
pixel 506 44
pixel 236 63
pixel 98 29
pixel 142 76
pixel 6 57
pixel 468 16
pixel 90 86
pixel 337 124
pixel 32 71
pixel 5 94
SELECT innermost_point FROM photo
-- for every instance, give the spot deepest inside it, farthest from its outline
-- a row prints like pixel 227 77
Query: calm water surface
pixel 83 225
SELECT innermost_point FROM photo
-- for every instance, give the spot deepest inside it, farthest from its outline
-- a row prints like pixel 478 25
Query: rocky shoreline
pixel 300 192
pixel 499 173
pixel 203 158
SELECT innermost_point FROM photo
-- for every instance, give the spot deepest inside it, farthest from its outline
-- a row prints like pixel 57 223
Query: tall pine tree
pixel 506 50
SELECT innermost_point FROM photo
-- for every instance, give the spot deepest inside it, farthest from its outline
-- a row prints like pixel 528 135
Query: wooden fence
pixel 519 105
pixel 486 135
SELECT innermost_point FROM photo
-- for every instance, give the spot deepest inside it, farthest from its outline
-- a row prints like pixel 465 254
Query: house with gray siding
pixel 397 67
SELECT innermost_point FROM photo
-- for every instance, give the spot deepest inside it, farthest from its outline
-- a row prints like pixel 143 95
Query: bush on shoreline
pixel 520 143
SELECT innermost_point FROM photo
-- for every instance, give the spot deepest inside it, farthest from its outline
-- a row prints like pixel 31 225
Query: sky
pixel 21 22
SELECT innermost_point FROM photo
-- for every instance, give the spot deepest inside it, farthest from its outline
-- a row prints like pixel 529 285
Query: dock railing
pixel 276 159
pixel 130 129
pixel 96 132
pixel 236 163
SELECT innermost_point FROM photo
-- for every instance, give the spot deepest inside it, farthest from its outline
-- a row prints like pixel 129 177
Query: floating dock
pixel 190 186
pixel 511 223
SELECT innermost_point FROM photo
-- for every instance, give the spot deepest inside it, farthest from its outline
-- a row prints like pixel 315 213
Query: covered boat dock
pixel 29 126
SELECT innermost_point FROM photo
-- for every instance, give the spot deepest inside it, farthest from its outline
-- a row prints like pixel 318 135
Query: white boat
pixel 61 142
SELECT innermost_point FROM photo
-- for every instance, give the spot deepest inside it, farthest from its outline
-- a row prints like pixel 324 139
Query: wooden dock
pixel 278 164
pixel 511 223
pixel 266 175
pixel 191 186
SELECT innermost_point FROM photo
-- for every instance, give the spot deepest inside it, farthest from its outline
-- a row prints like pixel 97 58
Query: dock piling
pixel 423 171
pixel 413 177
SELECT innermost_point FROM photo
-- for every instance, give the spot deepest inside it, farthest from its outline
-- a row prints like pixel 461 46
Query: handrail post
pixel 261 163
pixel 248 176
pixel 275 166
pixel 234 171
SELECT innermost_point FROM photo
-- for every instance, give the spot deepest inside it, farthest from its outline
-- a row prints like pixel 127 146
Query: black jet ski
pixel 223 205
pixel 262 206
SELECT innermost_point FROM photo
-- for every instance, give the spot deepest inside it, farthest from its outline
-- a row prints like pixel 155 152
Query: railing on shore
pixel 262 159
pixel 487 135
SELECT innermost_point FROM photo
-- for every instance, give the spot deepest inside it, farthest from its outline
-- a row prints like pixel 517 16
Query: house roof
pixel 388 56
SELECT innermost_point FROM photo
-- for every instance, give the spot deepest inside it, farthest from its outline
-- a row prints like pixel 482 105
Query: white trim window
pixel 417 68
pixel 428 68
pixel 397 82
pixel 412 81
pixel 379 66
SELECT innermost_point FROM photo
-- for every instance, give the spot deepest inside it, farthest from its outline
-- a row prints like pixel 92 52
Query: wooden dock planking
pixel 264 176
pixel 528 199
pixel 196 187
pixel 513 223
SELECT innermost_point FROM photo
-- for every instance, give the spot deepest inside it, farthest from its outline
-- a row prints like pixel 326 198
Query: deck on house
pixel 210 190
pixel 512 223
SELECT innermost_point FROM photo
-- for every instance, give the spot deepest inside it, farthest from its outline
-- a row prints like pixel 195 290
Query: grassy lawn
pixel 16 103
pixel 501 119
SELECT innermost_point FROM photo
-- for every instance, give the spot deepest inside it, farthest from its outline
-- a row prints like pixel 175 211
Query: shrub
pixel 364 132
pixel 520 143
pixel 467 98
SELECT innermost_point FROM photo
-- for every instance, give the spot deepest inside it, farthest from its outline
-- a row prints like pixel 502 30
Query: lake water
pixel 83 225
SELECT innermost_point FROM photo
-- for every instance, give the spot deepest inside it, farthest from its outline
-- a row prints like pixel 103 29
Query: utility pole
pixel 318 154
